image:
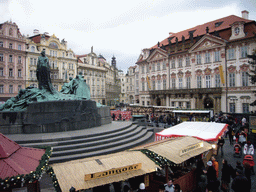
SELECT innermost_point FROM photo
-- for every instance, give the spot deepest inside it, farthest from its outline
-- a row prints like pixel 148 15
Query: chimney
pixel 245 14
pixel 36 31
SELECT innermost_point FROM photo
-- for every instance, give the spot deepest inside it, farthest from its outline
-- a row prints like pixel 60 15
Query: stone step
pixel 113 149
pixel 99 145
pixel 82 138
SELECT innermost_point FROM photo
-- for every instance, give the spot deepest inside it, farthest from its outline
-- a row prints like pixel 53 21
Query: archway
pixel 158 101
pixel 208 103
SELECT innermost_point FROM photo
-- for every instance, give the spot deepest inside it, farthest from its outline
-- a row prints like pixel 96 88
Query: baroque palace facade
pixel 204 67
pixel 18 63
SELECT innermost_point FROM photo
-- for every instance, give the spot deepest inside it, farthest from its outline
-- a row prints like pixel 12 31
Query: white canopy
pixel 207 131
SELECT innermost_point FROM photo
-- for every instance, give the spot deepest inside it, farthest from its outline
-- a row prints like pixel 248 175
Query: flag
pixel 149 86
pixel 221 74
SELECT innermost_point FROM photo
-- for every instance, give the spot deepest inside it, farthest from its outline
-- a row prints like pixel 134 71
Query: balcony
pixel 215 90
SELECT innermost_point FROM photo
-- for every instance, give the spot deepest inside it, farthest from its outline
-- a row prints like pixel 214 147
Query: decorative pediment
pixel 188 74
pixel 157 54
pixel 244 67
pixel 231 69
pixel 199 72
pixel 207 42
pixel 216 70
pixel 142 79
pixel 180 74
pixel 158 77
pixel 207 71
pixel 173 75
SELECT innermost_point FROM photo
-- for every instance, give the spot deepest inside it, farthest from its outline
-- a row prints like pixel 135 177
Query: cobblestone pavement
pixel 228 151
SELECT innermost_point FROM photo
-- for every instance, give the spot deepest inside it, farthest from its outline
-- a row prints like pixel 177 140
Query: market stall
pixel 179 158
pixel 206 131
pixel 116 171
pixel 121 115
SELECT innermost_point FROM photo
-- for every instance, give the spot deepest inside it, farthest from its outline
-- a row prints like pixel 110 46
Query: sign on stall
pixel 113 171
pixel 191 148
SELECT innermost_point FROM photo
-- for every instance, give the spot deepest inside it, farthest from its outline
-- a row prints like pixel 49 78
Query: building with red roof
pixel 202 67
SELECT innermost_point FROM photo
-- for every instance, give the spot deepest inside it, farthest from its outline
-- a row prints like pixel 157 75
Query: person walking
pixel 230 135
pixel 142 188
pixel 220 145
pixel 215 164
pixel 226 173
pixel 247 174
pixel 211 177
pixel 169 187
pixel 240 182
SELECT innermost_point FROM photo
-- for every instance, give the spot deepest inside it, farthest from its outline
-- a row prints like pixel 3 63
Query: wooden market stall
pixel 118 171
pixel 179 158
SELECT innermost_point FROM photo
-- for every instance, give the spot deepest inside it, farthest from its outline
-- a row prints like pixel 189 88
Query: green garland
pixel 20 180
pixel 158 159
pixel 54 179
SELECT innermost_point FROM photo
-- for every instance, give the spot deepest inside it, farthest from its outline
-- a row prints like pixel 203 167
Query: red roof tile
pixel 224 23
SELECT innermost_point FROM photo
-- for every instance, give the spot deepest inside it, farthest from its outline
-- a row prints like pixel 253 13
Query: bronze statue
pixel 43 73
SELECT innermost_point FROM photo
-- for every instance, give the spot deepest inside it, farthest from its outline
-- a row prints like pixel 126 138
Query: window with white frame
pixel 199 81
pixel 188 105
pixel 164 66
pixel 173 104
pixel 173 63
pixel 217 80
pixel 231 53
pixel 10 88
pixel 158 84
pixel 19 59
pixel 207 57
pixel 198 59
pixel 180 104
pixel 153 85
pixel 10 45
pixel 245 79
pixel 34 61
pixel 19 72
pixel 232 80
pixel 10 58
pixel 208 81
pixel 143 86
pixel 217 56
pixel 187 61
pixel 19 87
pixel 31 73
pixel 147 68
pixel 10 72
pixel 244 51
pixel 173 83
pixel 180 62
pixel 142 69
pixel 164 84
pixel 158 67
pixel 1 88
pixel 19 47
pixel 153 67
pixel 1 44
pixel 1 72
pixel 232 107
pixel 188 82
pixel 1 57
pixel 31 61
pixel 245 107
pixel 180 83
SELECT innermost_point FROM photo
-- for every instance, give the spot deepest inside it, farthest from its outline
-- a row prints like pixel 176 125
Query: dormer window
pixel 218 24
pixel 237 30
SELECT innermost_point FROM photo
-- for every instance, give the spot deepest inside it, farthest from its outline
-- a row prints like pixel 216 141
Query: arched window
pixel 33 49
pixel 10 31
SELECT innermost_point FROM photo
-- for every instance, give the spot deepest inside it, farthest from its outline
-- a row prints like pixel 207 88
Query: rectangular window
pixel 217 56
pixel 164 84
pixel 173 83
pixel 232 107
pixel 188 83
pixel 232 80
pixel 10 72
pixel 19 47
pixel 245 79
pixel 143 69
pixel 19 72
pixel 173 104
pixel 158 84
pixel 187 61
pixel 164 66
pixel 245 107
pixel 207 58
pixel 180 62
pixel 1 44
pixel 1 88
pixel 231 53
pixel 10 46
pixel 199 81
pixel 1 57
pixel 180 104
pixel 143 86
pixel 217 80
pixel 198 59
pixel 158 67
pixel 10 88
pixel 180 83
pixel 153 67
pixel 188 105
pixel 173 64
pixel 147 68
pixel 208 81
pixel 153 85
pixel 10 58
pixel 19 59
pixel 19 87
pixel 31 61
pixel 243 51
pixel 31 74
pixel 1 72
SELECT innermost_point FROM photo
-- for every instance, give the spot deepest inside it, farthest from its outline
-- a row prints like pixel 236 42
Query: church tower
pixel 113 61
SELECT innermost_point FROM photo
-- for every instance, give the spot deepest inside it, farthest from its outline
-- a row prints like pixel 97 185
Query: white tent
pixel 207 131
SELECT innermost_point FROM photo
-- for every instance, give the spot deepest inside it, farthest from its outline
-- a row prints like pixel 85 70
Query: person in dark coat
pixel 211 177
pixel 247 174
pixel 227 171
pixel 240 182
pixel 230 134
pixel 220 145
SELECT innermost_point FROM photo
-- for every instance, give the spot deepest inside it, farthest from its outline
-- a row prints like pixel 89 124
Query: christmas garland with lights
pixel 158 159
pixel 33 176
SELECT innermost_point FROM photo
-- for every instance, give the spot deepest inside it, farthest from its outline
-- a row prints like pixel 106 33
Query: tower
pixel 113 62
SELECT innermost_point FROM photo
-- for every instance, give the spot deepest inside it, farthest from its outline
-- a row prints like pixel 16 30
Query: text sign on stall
pixel 113 171
pixel 191 148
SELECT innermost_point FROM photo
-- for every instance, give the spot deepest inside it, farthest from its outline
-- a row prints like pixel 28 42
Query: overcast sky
pixel 116 27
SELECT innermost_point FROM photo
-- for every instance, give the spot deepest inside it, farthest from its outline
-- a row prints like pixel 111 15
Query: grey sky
pixel 116 27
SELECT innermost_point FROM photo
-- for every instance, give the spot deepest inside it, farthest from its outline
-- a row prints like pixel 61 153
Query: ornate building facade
pixel 204 67
pixel 63 62
pixel 12 61
pixel 93 69
pixel 131 85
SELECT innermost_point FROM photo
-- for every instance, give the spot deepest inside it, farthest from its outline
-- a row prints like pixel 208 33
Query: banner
pixel 221 74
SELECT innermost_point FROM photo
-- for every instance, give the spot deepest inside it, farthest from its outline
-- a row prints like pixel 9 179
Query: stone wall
pixel 55 116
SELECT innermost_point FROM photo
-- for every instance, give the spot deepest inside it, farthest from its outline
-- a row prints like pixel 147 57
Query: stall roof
pixel 179 149
pixel 191 111
pixel 72 173
pixel 207 131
